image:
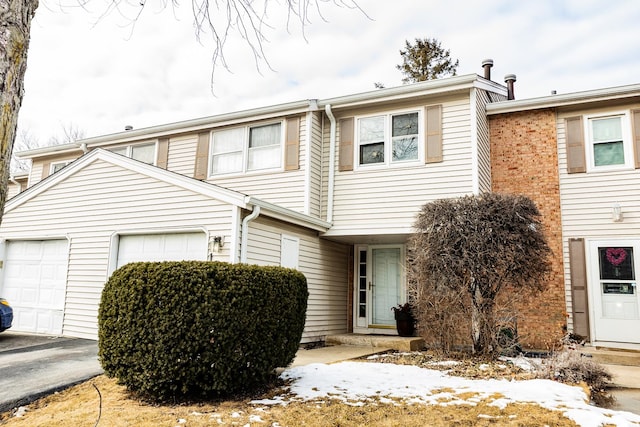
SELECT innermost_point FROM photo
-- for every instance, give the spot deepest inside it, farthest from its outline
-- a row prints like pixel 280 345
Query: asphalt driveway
pixel 32 366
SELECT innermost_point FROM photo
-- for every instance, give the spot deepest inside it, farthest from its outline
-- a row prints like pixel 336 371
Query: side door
pixel 613 266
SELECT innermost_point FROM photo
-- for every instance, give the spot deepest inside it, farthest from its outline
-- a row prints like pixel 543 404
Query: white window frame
pixel 388 143
pixel 129 150
pixel 54 164
pixel 245 150
pixel 627 142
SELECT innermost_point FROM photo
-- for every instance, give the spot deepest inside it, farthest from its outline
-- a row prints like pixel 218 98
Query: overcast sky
pixel 99 75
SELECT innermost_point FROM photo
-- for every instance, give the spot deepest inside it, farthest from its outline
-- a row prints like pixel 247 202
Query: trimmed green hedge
pixel 172 330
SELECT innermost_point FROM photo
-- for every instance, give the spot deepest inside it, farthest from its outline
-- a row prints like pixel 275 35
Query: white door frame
pixel 598 330
pixel 364 324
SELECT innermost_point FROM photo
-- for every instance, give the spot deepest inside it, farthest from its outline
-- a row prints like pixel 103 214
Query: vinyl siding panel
pixel 587 201
pixel 93 204
pixel 484 150
pixel 12 190
pixel 315 165
pixel 35 175
pixel 386 199
pixel 284 188
pixel 182 154
pixel 324 264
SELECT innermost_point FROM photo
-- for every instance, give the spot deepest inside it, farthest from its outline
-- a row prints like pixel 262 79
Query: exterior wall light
pixel 617 213
pixel 215 244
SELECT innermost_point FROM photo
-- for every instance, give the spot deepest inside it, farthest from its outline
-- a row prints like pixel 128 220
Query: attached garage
pixel 35 277
pixel 162 247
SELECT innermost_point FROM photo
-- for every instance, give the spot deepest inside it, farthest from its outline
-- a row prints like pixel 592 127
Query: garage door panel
pixel 35 284
pixel 162 247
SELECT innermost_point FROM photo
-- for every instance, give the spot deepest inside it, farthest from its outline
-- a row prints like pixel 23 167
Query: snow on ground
pixel 356 383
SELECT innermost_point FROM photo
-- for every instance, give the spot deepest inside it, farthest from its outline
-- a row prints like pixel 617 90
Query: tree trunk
pixel 15 30
pixel 482 324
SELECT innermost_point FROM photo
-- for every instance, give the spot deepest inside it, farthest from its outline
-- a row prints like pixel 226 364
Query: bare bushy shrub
pixel 571 367
pixel 464 256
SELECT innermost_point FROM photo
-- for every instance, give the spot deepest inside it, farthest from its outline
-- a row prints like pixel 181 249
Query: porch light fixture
pixel 215 244
pixel 617 213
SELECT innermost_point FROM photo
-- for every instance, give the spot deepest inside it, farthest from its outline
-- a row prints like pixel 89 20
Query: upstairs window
pixel 142 152
pixel 609 142
pixel 55 167
pixel 387 139
pixel 244 149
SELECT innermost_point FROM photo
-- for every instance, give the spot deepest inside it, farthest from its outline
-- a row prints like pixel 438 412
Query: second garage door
pixel 162 247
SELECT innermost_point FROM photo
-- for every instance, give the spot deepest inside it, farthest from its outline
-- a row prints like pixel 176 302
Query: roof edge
pixel 552 101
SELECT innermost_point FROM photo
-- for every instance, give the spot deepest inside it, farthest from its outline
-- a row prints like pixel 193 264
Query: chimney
pixel 487 64
pixel 510 79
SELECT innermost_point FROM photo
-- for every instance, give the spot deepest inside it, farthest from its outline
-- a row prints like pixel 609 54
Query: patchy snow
pixel 445 363
pixel 521 362
pixel 356 383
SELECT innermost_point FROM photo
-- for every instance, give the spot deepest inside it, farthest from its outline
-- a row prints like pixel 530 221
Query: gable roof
pixel 213 191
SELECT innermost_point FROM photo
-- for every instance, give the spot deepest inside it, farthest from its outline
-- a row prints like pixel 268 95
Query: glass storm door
pixel 385 285
pixel 614 267
pixel 379 284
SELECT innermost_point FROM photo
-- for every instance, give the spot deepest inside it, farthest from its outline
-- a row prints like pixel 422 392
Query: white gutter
pixel 292 217
pixel 560 100
pixel 332 162
pixel 245 232
pixel 52 149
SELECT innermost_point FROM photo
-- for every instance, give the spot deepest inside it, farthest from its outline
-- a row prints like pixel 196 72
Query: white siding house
pixel 328 186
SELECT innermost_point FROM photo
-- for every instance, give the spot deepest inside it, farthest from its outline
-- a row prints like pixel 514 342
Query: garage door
pixel 162 247
pixel 35 277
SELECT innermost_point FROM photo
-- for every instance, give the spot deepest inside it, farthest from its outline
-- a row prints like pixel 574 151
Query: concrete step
pixel 377 341
pixel 612 356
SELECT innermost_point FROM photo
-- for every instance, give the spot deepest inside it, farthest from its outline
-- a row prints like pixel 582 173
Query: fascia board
pixel 569 99
pixel 50 150
pixel 431 87
pixel 288 215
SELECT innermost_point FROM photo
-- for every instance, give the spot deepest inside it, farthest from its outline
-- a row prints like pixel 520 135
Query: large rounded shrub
pixel 172 330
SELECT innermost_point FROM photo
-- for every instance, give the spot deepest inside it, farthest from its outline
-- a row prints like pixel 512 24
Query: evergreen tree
pixel 426 60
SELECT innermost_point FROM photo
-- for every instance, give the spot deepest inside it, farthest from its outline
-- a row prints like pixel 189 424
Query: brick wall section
pixel 524 160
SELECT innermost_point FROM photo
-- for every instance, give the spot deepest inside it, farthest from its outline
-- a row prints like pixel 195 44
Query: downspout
pixel 13 180
pixel 332 162
pixel 245 232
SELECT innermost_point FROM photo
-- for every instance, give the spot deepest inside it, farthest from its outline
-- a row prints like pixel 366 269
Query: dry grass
pixel 80 406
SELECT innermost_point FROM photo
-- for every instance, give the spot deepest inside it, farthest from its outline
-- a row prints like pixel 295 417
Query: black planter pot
pixel 405 324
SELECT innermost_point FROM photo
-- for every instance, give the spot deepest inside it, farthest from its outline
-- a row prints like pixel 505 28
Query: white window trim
pixel 627 142
pixel 54 164
pixel 388 163
pixel 245 150
pixel 129 148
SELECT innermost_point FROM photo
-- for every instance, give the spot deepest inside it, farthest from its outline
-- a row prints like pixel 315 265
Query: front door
pixel 614 291
pixel 379 287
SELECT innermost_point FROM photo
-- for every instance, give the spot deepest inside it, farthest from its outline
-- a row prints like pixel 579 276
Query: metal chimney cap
pixel 510 77
pixel 487 62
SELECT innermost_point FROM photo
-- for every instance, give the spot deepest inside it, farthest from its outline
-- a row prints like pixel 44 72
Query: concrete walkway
pixel 332 354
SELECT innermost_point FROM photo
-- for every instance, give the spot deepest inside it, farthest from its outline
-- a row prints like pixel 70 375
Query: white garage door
pixel 162 247
pixel 35 277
